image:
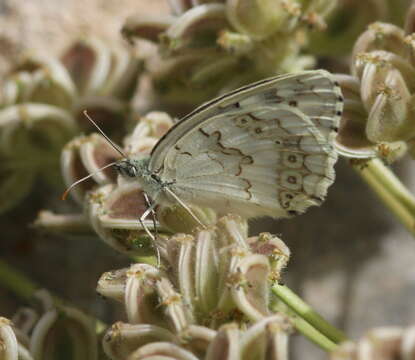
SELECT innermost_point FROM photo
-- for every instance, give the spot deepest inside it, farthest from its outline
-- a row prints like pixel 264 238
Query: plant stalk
pixel 305 312
pixel 395 196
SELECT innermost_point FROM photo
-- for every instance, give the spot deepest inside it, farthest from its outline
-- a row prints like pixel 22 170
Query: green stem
pixel 24 288
pixel 151 259
pixel 390 190
pixel 312 334
pixel 316 321
pixel 16 282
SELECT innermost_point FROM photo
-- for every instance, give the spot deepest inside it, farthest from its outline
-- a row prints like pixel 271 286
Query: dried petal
pixel 250 286
pixel 8 341
pixel 196 28
pixel 114 213
pixel 274 248
pixel 206 273
pixel 233 229
pixel 176 310
pixel 68 326
pixel 124 74
pixel 50 82
pixel 122 339
pixel 141 296
pixel 146 27
pixel 182 264
pixel 162 350
pixel 373 77
pixel 388 117
pixel 267 339
pixel 95 153
pixel 38 128
pixel 24 320
pixel 146 133
pixel 387 60
pixel 73 169
pixel 380 36
pixel 226 344
pixel 112 284
pixel 20 87
pixel 351 140
pixel 58 223
pixel 89 63
pixel 198 338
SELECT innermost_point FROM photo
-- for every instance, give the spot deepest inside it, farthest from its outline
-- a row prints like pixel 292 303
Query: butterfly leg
pixel 150 210
pixel 153 213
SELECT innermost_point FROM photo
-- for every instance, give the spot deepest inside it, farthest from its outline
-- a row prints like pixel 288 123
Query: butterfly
pixel 265 149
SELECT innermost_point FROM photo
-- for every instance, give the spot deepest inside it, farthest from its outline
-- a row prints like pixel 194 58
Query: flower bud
pixel 88 61
pixel 388 117
pixel 275 16
pixel 146 27
pixel 50 82
pixel 380 36
pixel 195 29
pixel 63 325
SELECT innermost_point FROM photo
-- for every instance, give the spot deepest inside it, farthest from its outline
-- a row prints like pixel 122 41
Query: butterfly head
pixel 126 168
pixel 133 167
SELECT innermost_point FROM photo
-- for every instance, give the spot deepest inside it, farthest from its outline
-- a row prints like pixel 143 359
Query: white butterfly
pixel 265 149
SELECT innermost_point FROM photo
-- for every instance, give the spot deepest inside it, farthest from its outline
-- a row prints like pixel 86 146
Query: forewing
pixel 265 149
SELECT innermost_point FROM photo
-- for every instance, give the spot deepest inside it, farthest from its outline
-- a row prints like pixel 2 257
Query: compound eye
pixel 132 171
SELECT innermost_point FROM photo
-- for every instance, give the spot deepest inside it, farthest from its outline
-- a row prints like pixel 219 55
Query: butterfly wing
pixel 264 149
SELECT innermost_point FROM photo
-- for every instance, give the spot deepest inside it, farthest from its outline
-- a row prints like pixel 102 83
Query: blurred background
pixel 351 259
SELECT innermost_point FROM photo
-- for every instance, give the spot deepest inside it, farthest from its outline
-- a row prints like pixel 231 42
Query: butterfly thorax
pixel 137 169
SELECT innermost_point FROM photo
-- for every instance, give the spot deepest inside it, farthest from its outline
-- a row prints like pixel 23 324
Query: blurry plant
pixel 209 47
pixel 348 19
pixel 57 331
pixel 383 343
pixel 41 106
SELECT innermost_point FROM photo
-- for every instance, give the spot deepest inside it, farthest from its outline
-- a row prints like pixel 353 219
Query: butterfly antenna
pixel 115 146
pixel 192 214
pixel 65 194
